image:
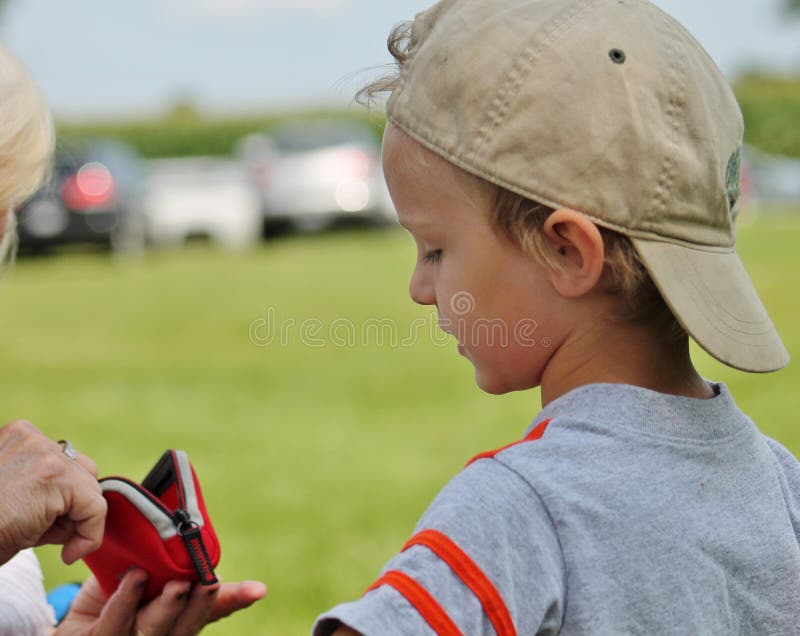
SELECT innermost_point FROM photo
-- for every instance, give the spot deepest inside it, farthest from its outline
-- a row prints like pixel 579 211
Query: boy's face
pixel 489 295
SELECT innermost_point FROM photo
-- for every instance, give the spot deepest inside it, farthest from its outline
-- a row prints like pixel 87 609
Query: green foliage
pixel 316 461
pixel 184 132
pixel 771 108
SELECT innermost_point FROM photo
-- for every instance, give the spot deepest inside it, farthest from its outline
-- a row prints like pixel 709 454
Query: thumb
pixel 119 614
pixel 235 596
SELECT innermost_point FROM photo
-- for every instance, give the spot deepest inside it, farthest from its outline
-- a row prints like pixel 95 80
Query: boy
pixel 573 166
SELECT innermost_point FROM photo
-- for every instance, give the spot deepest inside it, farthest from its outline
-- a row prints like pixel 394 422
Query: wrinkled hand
pixel 180 610
pixel 45 496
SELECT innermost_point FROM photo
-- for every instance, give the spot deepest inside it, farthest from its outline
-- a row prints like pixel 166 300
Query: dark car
pixel 91 197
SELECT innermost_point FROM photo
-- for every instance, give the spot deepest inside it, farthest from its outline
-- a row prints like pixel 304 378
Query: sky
pixel 103 59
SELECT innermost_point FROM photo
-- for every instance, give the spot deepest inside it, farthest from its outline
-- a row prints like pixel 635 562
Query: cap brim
pixel 714 299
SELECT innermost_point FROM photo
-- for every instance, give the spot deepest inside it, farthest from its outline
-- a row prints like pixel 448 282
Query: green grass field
pixel 316 460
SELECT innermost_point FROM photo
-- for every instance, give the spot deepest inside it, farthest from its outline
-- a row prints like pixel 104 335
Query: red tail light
pixel 91 187
pixel 355 163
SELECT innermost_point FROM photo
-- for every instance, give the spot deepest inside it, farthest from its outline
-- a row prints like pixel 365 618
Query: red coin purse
pixel 160 525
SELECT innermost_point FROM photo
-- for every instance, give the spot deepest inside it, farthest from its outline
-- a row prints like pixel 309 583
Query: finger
pixel 158 617
pixel 235 596
pixel 87 463
pixel 90 600
pixel 198 610
pixel 119 614
pixel 53 487
pixel 87 512
pixel 81 460
pixel 61 530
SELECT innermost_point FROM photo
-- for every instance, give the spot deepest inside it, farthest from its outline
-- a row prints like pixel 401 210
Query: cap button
pixel 617 56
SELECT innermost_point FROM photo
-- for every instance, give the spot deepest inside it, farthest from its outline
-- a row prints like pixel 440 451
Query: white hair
pixel 27 136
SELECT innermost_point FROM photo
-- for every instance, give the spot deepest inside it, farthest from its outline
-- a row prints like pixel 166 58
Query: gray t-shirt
pixel 626 512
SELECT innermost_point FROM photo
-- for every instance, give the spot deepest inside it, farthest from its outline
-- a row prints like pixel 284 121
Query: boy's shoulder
pixel 621 431
pixel 612 496
pixel 787 473
pixel 628 450
pixel 617 483
pixel 601 445
pixel 783 456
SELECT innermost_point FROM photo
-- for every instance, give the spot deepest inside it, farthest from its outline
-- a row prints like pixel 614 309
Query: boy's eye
pixel 433 257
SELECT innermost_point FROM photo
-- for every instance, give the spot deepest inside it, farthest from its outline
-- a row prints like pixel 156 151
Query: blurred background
pixel 215 266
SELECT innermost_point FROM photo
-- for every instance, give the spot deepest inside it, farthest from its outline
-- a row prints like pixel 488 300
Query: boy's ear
pixel 578 247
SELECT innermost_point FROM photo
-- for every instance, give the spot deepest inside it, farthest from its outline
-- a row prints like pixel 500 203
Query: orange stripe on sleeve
pixel 472 576
pixel 427 606
pixel 535 434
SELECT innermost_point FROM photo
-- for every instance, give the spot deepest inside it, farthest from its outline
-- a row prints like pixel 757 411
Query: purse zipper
pixel 190 532
pixel 193 539
pixel 187 529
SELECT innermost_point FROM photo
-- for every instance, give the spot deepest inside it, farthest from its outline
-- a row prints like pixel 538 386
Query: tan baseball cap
pixel 610 108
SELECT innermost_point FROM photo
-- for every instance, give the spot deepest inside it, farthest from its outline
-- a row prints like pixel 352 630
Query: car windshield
pixel 305 137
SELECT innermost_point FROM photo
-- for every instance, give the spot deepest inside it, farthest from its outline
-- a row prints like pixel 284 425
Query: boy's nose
pixel 420 289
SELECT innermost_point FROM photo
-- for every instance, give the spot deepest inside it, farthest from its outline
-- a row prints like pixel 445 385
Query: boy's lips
pixel 441 324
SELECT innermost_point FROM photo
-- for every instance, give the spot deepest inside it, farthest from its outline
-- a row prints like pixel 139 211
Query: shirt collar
pixel 633 407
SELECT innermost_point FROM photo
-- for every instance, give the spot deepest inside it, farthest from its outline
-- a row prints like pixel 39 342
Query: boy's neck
pixel 627 356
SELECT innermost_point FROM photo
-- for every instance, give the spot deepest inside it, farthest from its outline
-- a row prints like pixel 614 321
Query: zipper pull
pixel 193 539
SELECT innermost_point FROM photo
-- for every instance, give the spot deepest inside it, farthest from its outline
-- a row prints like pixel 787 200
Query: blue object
pixel 60 598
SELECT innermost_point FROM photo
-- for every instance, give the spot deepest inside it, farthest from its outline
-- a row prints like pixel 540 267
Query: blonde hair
pixel 521 220
pixel 625 277
pixel 27 134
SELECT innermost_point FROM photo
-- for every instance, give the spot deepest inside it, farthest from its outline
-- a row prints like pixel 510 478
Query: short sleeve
pixel 484 560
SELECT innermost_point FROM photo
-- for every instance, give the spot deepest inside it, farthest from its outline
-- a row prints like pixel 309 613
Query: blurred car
pixel 775 179
pixel 200 196
pixel 314 173
pixel 91 197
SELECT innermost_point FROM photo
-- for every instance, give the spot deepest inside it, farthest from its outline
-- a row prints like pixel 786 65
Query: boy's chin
pixel 492 384
pixel 498 384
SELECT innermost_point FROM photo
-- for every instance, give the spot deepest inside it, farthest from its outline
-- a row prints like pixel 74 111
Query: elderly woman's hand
pixel 180 610
pixel 47 496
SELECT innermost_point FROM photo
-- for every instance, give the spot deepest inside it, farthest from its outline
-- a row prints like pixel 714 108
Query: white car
pixel 775 179
pixel 200 196
pixel 312 174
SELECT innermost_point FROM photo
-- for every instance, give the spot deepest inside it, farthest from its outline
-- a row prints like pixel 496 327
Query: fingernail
pixel 139 575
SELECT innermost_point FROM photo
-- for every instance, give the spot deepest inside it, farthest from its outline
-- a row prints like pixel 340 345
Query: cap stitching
pixel 735 324
pixel 511 86
pixel 509 89
pixel 731 359
pixel 676 104
pixel 426 137
pixel 705 294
